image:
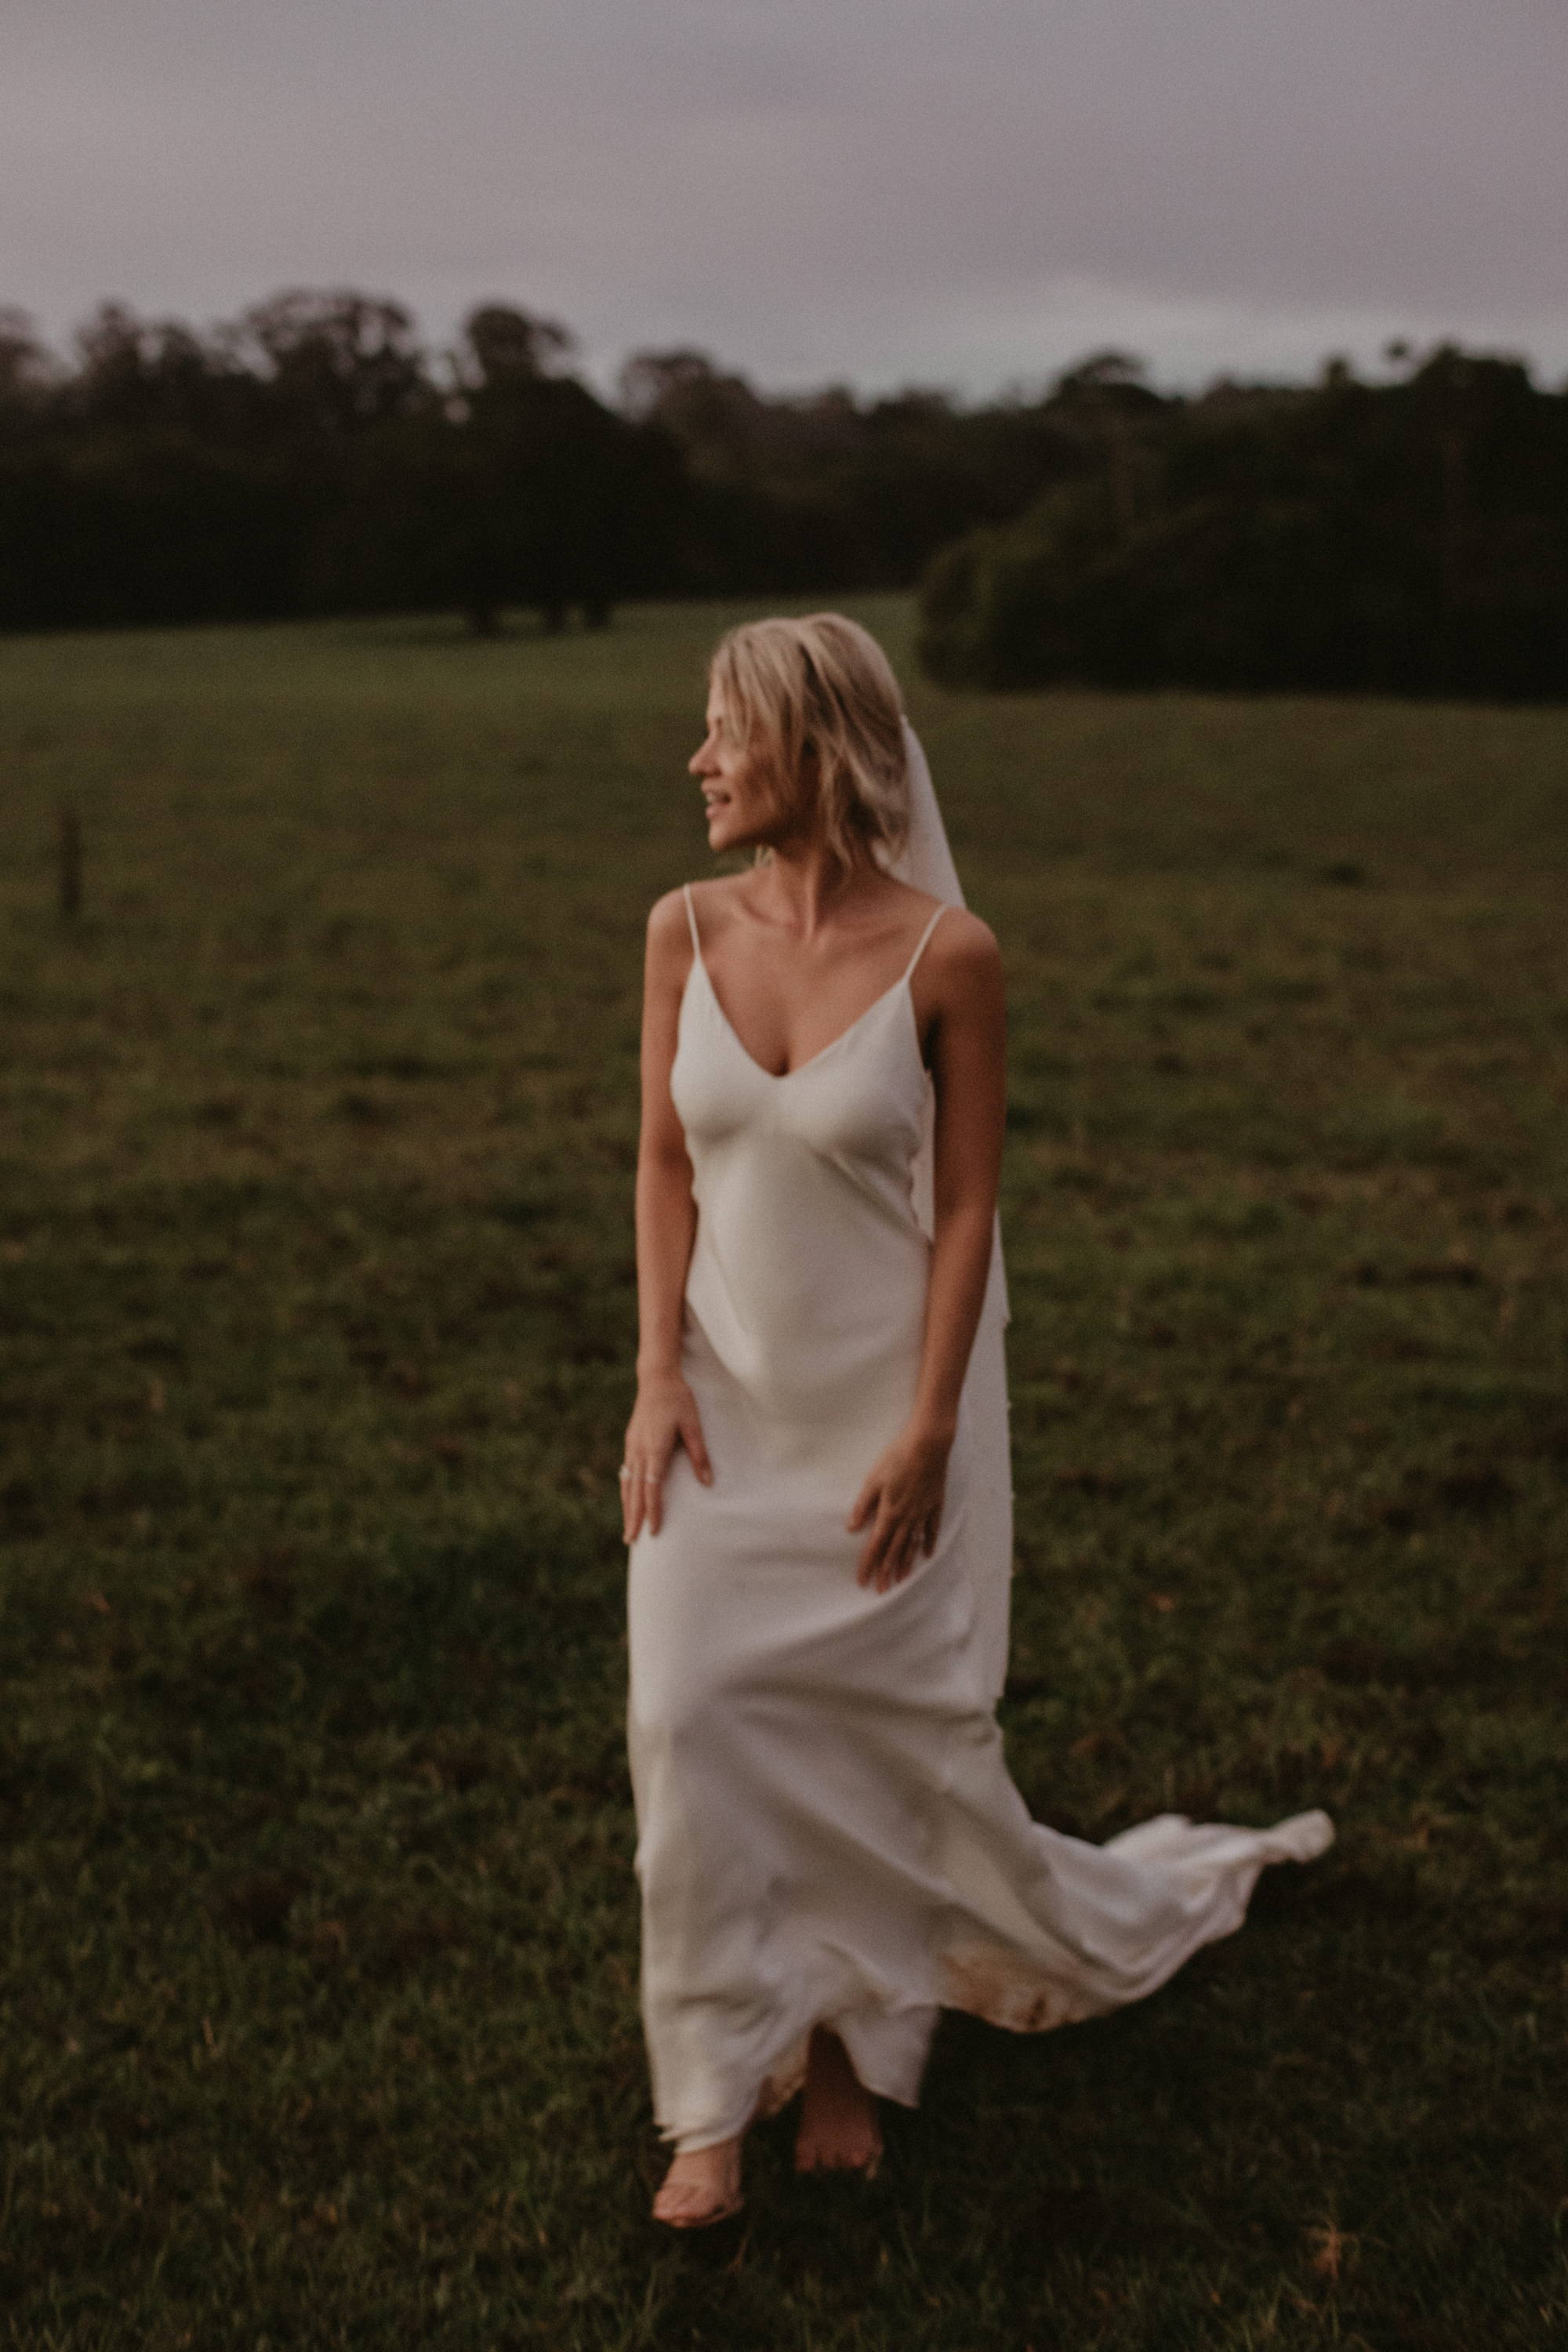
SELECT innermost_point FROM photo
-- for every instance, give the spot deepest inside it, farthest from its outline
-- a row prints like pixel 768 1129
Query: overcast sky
pixel 961 192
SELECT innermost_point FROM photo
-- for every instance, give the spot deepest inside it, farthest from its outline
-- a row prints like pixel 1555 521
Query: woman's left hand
pixel 902 1505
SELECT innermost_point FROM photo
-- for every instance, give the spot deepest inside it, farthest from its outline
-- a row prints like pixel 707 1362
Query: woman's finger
pixel 864 1504
pixel 901 1554
pixel 919 1539
pixel 908 1552
pixel 884 1542
pixel 640 1489
pixel 691 1438
pixel 653 1498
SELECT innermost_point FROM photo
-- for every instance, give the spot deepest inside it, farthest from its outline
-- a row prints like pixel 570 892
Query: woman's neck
pixel 807 885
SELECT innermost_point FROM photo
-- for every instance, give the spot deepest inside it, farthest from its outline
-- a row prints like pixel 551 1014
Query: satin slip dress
pixel 826 1830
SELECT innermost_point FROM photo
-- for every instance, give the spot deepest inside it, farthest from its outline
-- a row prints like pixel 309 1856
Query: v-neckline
pixel 782 1078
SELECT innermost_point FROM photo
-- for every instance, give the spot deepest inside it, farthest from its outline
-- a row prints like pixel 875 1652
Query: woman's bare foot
pixel 702 2187
pixel 838 2127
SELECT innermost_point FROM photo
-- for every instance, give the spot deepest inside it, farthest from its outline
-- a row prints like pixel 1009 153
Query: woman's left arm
pixel 900 1503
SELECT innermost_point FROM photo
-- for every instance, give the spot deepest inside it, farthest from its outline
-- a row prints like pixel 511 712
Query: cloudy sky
pixel 962 192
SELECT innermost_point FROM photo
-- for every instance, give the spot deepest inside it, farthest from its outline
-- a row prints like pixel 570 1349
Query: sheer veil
pixel 926 861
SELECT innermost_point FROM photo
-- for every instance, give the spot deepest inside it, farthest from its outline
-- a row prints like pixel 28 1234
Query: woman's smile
pixel 725 771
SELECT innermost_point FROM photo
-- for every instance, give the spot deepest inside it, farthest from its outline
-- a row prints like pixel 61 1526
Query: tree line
pixel 314 455
pixel 1407 537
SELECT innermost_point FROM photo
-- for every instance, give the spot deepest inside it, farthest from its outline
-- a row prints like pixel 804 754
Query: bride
pixel 815 1489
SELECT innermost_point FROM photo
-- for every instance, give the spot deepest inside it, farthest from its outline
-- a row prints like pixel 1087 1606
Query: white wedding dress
pixel 826 1829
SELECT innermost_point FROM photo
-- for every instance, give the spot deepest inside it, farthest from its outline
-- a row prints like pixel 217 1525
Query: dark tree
pixel 501 345
pixel 138 486
pixel 335 364
pixel 521 489
pixel 25 369
pixel 1408 537
pixel 310 456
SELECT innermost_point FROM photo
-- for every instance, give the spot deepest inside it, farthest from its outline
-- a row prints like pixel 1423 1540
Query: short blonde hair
pixel 823 685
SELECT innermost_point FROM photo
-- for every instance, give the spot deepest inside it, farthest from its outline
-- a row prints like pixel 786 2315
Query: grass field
pixel 317 2011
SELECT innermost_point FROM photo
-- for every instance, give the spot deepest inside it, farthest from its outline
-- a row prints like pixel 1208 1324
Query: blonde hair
pixel 823 685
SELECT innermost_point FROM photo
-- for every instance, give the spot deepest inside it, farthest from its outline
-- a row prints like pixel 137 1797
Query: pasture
pixel 318 2021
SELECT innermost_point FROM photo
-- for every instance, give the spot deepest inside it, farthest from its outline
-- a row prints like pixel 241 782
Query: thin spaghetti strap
pixel 920 949
pixel 692 919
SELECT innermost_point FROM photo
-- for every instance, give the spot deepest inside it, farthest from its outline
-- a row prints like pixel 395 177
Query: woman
pixel 815 1488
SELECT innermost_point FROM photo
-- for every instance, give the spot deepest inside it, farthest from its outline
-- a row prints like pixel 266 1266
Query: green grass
pixel 318 2000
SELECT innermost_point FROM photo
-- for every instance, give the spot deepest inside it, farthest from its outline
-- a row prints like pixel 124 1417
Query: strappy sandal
pixel 724 2210
pixel 701 2221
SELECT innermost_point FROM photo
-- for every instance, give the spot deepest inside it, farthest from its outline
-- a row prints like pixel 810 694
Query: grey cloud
pixel 893 189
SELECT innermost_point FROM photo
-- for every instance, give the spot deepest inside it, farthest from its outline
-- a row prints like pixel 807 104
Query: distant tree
pixel 1407 538
pixel 26 370
pixel 311 455
pixel 823 490
pixel 137 486
pixel 730 522
pixel 523 490
pixel 335 363
pixel 501 345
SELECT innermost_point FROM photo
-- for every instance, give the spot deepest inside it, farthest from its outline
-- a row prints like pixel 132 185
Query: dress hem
pixel 993 1980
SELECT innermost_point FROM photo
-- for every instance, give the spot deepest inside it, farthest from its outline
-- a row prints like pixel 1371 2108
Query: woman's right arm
pixel 665 1414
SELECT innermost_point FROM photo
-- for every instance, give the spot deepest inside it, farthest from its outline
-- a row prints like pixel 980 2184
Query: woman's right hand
pixel 664 1417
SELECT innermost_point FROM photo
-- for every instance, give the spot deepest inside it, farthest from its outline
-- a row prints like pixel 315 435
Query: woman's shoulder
pixel 671 916
pixel 713 894
pixel 667 916
pixel 960 967
pixel 962 943
pixel 668 940
pixel 959 931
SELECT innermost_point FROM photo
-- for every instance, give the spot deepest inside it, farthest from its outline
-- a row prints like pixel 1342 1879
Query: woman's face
pixel 742 813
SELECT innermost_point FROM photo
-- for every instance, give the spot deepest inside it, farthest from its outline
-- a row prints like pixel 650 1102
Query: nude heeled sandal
pixel 728 2206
